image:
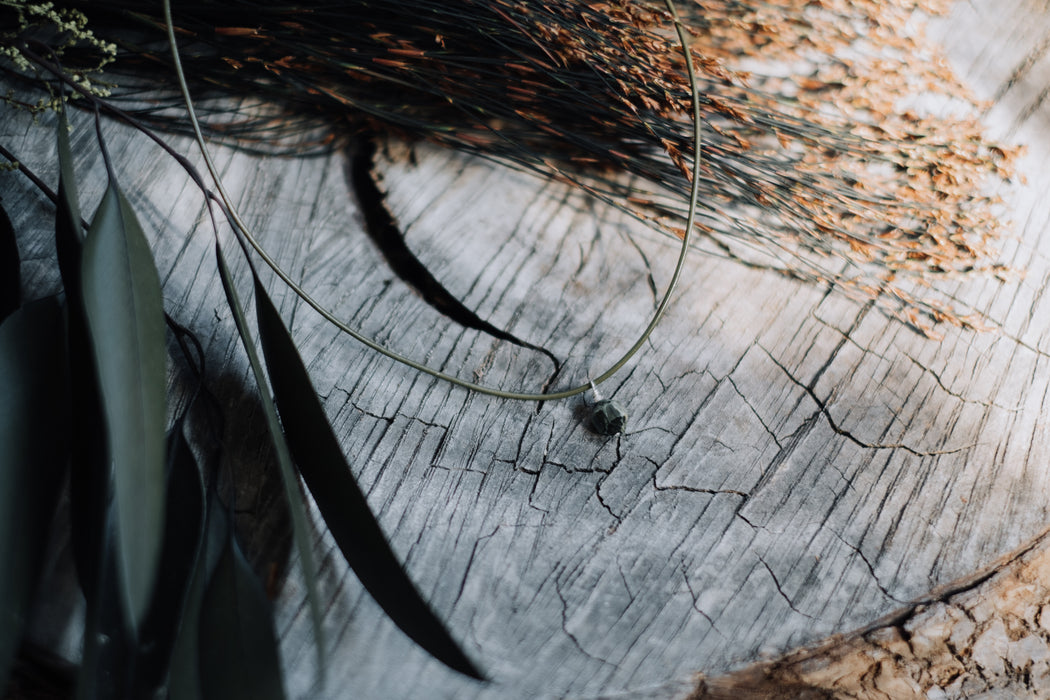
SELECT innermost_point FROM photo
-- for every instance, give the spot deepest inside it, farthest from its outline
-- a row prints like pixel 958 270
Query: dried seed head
pixel 829 172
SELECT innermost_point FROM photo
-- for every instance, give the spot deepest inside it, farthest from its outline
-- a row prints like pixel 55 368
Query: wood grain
pixel 797 465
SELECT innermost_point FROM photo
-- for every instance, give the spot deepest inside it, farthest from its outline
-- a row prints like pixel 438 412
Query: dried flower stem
pixel 830 172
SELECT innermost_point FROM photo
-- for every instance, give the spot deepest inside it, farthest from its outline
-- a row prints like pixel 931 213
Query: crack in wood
pixel 598 487
pixel 694 489
pixel 1031 348
pixel 457 469
pixel 822 409
pixel 780 590
pixel 989 632
pixel 565 628
pixel 868 564
pixel 606 506
pixel 940 382
pixel 849 339
pixel 757 415
pixel 470 562
pixel 383 230
pixel 696 605
pixel 648 266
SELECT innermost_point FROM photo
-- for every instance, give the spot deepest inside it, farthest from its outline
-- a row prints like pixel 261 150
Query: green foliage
pixel 171 600
pixel 90 471
pixel 34 424
pixel 238 644
pixel 183 540
pixel 184 678
pixel 300 529
pixel 125 318
pixel 10 282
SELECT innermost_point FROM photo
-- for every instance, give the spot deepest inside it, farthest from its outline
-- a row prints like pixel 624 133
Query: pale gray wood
pixel 797 464
pixel 981 637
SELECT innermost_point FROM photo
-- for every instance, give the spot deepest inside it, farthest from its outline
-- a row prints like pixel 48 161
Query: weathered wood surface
pixel 797 465
pixel 982 637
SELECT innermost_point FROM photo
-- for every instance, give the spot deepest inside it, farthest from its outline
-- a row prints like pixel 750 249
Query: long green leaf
pixel 300 531
pixel 107 660
pixel 342 504
pixel 236 637
pixel 68 232
pixel 10 268
pixel 184 678
pixel 34 423
pixel 108 652
pixel 125 315
pixel 90 472
pixel 183 540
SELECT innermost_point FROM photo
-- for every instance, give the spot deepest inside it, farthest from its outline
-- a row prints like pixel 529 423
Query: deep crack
pixel 382 228
pixel 694 489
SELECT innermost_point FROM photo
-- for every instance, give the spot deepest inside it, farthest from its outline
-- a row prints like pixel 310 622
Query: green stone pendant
pixel 608 417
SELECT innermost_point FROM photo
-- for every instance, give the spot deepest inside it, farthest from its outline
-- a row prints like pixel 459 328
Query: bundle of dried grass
pixel 819 160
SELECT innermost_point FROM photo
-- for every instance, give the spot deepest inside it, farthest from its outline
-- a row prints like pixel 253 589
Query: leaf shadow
pixel 250 481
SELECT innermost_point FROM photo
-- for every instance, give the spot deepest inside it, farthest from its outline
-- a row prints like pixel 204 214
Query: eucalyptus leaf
pixel 69 233
pixel 125 315
pixel 342 504
pixel 10 268
pixel 236 636
pixel 183 539
pixel 300 532
pixel 34 425
pixel 184 677
pixel 115 665
pixel 90 472
pixel 107 661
